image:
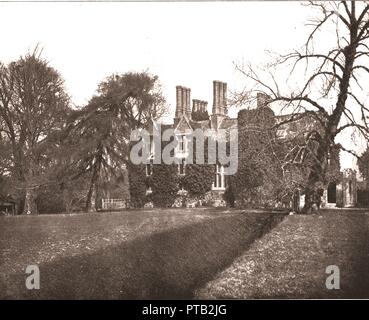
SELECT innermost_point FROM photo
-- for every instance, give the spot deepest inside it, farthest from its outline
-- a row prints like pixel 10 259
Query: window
pixel 152 147
pixel 148 190
pixel 181 147
pixel 149 168
pixel 219 179
pixel 181 143
pixel 182 167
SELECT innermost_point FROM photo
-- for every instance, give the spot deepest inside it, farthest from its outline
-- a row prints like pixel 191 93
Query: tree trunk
pixel 91 195
pixel 90 201
pixel 313 190
pixel 310 205
pixel 316 176
pixel 30 206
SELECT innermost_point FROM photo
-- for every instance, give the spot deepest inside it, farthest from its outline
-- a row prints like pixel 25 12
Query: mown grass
pixel 140 254
pixel 291 260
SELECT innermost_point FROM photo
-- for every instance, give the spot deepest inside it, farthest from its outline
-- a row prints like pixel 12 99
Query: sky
pixel 184 43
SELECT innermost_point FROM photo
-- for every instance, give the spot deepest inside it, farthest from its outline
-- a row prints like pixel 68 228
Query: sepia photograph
pixel 184 150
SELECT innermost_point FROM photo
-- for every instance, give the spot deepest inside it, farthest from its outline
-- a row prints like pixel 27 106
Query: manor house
pixel 342 194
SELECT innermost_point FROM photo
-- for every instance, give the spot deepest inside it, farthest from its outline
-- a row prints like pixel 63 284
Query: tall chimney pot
pixel 219 97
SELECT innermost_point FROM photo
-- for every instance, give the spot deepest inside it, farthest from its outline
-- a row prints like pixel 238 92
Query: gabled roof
pixel 183 125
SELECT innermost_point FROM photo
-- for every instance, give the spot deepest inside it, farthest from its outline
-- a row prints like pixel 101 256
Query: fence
pixel 111 204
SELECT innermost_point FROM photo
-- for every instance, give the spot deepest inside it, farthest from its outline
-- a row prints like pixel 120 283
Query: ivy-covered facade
pixel 260 179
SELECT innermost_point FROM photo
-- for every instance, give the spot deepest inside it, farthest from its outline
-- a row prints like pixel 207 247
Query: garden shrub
pixel 198 179
pixel 229 195
pixel 137 185
pixel 164 183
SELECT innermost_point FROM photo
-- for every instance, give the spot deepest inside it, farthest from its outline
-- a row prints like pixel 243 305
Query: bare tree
pixel 330 84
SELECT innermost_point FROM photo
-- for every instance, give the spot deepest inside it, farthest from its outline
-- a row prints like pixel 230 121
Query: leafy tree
pixel 102 128
pixel 33 105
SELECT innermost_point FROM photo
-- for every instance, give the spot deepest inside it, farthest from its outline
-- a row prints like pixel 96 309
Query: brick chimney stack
pixel 219 111
pixel 219 98
pixel 179 110
pixel 204 106
pixel 187 108
pixel 199 105
pixel 195 105
pixel 183 102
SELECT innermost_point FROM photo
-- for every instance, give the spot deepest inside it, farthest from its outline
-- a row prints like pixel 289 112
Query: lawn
pixel 119 255
pixel 291 260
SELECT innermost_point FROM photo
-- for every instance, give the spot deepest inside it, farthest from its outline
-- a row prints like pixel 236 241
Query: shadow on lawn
pixel 354 262
pixel 164 265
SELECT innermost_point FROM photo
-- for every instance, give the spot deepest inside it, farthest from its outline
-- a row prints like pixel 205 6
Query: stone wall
pixel 346 191
pixel 349 188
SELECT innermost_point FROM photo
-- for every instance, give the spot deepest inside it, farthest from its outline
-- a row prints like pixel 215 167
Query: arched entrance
pixel 332 193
